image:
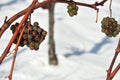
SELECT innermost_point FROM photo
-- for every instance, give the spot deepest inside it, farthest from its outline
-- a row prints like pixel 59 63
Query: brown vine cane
pixel 15 54
pixel 110 73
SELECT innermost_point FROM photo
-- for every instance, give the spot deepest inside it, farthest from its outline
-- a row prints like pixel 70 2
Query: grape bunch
pixel 72 9
pixel 110 27
pixel 32 36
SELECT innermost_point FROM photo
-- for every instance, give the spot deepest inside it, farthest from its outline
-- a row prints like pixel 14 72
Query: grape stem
pixel 110 8
pixel 8 22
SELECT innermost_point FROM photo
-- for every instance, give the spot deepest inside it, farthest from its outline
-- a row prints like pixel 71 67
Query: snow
pixel 84 52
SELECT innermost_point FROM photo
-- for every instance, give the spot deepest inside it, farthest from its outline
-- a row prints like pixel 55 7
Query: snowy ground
pixel 84 52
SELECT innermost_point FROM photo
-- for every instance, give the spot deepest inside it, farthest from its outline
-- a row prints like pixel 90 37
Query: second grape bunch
pixel 72 9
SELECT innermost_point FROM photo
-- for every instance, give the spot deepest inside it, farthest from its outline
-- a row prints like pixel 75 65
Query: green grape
pixel 31 28
pixel 35 24
pixel 25 42
pixel 39 30
pixel 44 33
pixel 29 40
pixel 69 7
pixel 76 8
pixel 35 28
pixel 29 36
pixel 31 48
pixel 71 14
pixel 106 31
pixel 31 45
pixel 37 46
pixel 73 5
pixel 24 36
pixel 34 33
pixel 74 12
pixel 115 33
pixel 103 30
pixel 118 28
pixel 37 38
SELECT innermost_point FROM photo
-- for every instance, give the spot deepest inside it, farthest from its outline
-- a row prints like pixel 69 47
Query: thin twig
pixel 109 71
pixel 97 15
pixel 15 53
pixel 5 19
pixel 94 5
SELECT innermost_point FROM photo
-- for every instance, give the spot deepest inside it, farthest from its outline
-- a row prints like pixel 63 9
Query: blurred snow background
pixel 84 52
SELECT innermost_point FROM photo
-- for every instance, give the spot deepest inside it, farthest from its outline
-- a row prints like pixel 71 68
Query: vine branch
pixel 111 74
pixel 19 14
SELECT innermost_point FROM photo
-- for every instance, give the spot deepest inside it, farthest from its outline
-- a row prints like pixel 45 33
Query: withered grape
pixel 35 24
pixel 72 9
pixel 110 27
pixel 32 36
